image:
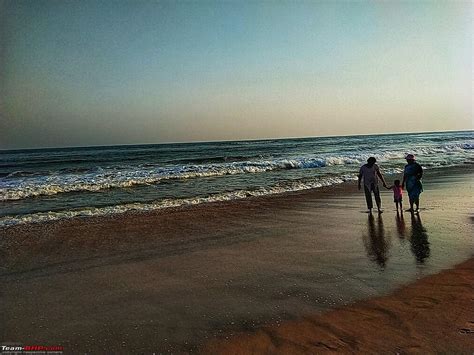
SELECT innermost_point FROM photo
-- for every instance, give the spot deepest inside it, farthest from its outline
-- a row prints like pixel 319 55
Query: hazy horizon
pixel 124 72
pixel 239 140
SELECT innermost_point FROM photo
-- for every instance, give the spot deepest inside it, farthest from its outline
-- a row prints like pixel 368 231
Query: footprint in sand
pixel 423 302
pixel 468 329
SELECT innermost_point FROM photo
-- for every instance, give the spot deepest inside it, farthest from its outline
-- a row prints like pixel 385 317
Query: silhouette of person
pixel 412 175
pixel 370 173
pixel 420 246
pixel 375 242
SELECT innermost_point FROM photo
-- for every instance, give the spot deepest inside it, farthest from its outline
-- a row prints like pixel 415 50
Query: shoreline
pixel 347 186
pixel 432 315
pixel 84 229
pixel 169 281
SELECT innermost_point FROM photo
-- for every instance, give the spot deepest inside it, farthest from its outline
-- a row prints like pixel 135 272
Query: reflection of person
pixel 397 194
pixel 401 227
pixel 370 173
pixel 412 177
pixel 376 244
pixel 419 239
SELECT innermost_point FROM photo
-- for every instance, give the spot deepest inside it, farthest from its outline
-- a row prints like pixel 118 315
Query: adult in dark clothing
pixel 412 178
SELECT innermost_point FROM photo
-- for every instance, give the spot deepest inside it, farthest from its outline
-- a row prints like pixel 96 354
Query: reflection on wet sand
pixel 375 241
pixel 419 239
pixel 401 226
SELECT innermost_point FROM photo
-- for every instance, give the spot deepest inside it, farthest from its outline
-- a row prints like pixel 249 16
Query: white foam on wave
pixel 20 186
pixel 295 186
pixel 26 186
pixel 287 187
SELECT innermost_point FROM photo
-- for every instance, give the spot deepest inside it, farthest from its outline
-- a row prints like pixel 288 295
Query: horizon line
pixel 233 140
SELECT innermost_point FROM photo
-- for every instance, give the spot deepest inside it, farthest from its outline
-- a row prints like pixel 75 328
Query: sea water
pixel 49 184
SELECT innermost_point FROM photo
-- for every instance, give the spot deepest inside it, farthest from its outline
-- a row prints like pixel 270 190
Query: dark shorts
pixel 399 199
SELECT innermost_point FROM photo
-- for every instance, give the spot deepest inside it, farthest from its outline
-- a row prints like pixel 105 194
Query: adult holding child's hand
pixel 370 172
pixel 412 178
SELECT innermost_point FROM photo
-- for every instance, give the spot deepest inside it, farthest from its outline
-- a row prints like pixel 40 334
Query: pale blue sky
pixel 120 72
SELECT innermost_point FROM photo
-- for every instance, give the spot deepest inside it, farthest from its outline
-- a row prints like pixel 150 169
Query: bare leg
pixel 378 201
pixel 368 198
pixel 417 203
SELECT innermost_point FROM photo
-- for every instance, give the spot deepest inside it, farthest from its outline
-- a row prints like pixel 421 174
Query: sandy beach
pixel 260 275
pixel 433 315
pixel 193 177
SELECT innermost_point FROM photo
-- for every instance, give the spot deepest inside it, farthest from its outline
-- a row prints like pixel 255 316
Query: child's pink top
pixel 397 191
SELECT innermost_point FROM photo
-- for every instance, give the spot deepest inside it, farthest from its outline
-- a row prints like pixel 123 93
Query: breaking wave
pixel 31 185
pixel 37 186
pixel 8 221
pixel 23 184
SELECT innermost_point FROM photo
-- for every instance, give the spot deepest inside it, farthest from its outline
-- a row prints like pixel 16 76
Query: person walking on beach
pixel 412 177
pixel 370 172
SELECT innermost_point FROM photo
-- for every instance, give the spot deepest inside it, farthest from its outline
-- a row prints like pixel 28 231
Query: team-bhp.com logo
pixel 31 349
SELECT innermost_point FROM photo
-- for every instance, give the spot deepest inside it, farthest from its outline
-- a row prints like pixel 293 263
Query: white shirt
pixel 369 174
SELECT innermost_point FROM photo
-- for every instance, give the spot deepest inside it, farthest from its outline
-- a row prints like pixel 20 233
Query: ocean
pixel 55 183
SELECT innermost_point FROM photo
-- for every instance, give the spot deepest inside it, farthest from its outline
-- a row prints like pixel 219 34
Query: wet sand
pixel 433 315
pixel 175 280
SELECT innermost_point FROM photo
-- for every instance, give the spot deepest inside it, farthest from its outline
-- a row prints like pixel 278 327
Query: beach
pixel 192 177
pixel 185 279
pixel 433 315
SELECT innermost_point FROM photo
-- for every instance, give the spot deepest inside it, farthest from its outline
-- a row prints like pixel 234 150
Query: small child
pixel 397 194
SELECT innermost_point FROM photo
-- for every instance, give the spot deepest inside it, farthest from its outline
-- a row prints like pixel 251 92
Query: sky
pixel 77 73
